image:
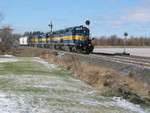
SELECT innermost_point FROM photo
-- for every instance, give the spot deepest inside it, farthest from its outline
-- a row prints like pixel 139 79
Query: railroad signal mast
pixel 51 27
pixel 125 35
pixel 87 22
pixel 51 30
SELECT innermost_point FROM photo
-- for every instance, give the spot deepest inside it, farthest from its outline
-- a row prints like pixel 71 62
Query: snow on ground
pixel 2 60
pixel 56 94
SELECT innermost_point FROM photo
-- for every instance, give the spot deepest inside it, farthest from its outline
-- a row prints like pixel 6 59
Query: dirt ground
pixel 133 51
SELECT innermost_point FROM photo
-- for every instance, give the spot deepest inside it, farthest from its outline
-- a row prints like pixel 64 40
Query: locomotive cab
pixel 82 40
pixel 81 35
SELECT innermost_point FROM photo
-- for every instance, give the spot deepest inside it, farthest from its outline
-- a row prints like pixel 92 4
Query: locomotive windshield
pixel 80 31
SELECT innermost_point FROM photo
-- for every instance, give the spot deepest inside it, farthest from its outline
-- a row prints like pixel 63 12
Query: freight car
pixel 75 39
pixel 23 41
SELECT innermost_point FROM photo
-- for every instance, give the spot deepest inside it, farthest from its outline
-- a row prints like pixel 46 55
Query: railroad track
pixel 133 60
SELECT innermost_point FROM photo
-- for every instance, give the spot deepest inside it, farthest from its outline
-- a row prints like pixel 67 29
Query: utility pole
pixel 51 27
pixel 51 30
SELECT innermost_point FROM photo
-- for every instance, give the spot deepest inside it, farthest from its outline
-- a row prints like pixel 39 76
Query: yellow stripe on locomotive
pixel 72 37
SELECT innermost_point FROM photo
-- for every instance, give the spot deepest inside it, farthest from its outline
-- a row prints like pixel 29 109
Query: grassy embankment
pixel 11 72
pixel 108 81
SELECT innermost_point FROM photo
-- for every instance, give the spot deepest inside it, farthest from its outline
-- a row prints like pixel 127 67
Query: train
pixel 74 39
pixel 23 41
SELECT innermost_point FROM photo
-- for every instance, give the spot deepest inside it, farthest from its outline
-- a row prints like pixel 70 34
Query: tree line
pixel 117 41
pixel 27 33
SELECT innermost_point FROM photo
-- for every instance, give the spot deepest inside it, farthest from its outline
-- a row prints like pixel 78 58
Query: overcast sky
pixel 108 17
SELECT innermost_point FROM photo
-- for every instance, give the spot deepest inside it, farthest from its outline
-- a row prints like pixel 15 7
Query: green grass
pixel 111 93
pixel 5 83
pixel 28 68
pixel 61 73
pixel 33 90
pixel 23 67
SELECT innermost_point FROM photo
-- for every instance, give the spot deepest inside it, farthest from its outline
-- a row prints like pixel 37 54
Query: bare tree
pixel 6 35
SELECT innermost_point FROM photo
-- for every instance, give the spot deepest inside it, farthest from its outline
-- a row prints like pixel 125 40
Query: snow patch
pixel 128 105
pixel 45 63
pixel 61 54
pixel 6 104
pixel 7 55
pixel 3 60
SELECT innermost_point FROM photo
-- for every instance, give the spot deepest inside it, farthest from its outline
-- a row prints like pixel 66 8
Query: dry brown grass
pixel 138 86
pixel 7 49
pixel 106 80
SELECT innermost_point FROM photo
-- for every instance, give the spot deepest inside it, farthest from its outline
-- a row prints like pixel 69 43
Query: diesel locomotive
pixel 75 39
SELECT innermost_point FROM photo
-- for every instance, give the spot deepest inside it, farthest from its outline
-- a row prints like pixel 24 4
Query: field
pixel 32 85
pixel 133 51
